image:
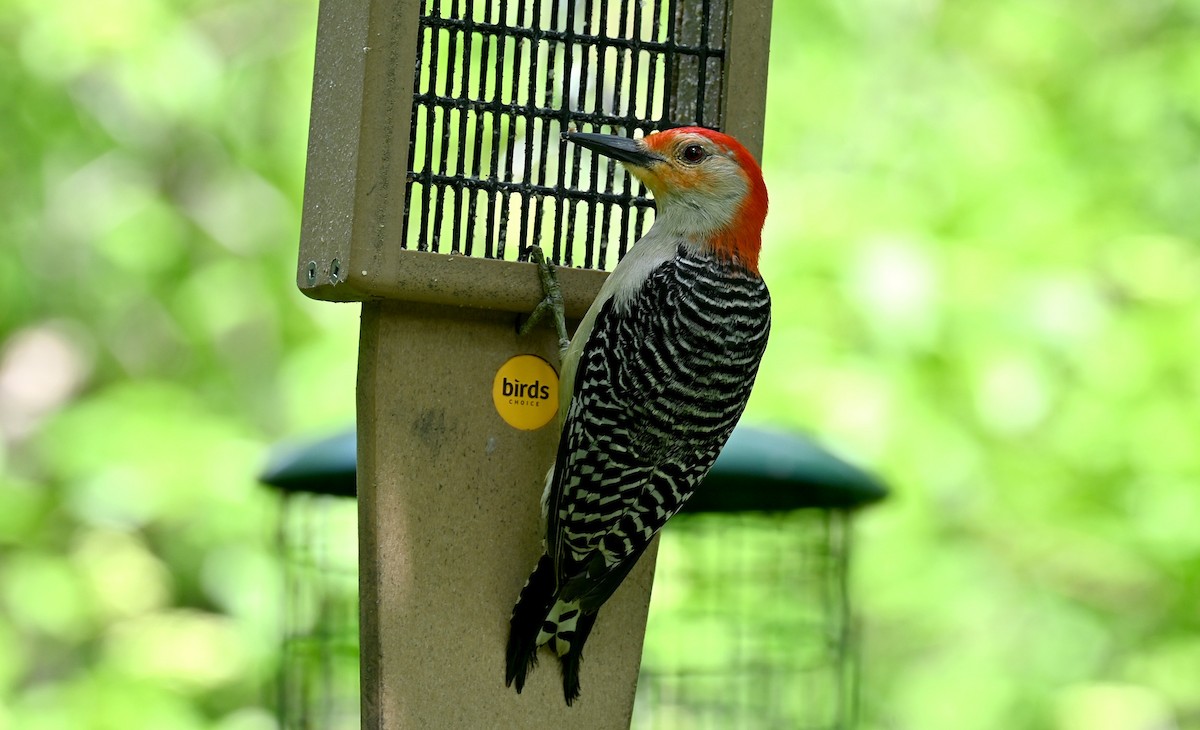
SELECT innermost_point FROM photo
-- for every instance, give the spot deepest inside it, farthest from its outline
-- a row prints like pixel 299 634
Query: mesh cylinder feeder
pixel 751 623
pixel 435 157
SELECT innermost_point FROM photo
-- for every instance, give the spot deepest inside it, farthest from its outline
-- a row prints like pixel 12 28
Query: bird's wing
pixel 657 392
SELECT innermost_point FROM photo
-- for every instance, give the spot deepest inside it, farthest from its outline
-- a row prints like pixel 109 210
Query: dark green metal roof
pixel 771 471
pixel 759 471
pixel 320 466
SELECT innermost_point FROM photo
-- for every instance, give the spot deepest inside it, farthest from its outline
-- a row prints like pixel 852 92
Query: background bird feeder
pixel 750 626
pixel 434 158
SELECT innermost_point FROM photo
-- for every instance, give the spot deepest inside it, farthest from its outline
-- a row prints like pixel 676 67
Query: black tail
pixel 570 660
pixel 537 597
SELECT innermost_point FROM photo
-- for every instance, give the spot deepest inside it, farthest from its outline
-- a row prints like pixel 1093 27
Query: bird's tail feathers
pixel 533 606
pixel 574 641
pixel 541 617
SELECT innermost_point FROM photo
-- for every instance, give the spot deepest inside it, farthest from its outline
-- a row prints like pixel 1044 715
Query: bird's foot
pixel 552 301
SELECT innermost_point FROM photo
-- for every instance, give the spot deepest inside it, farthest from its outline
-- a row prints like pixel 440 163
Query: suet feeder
pixel 751 622
pixel 435 157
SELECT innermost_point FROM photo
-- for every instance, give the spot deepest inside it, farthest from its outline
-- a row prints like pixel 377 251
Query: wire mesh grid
pixel 749 625
pixel 318 679
pixel 497 81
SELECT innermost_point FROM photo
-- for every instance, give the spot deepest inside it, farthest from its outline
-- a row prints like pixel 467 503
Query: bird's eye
pixel 693 153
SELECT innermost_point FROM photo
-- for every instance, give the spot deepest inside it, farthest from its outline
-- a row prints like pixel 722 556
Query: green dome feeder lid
pixel 318 466
pixel 759 471
pixel 772 471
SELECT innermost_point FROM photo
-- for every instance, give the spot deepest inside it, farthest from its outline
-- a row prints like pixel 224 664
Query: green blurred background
pixel 983 251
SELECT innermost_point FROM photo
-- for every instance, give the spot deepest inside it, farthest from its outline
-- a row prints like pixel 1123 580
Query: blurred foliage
pixel 983 251
pixel 983 254
pixel 152 344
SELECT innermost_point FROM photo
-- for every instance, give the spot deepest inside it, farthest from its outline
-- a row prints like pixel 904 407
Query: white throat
pixel 695 216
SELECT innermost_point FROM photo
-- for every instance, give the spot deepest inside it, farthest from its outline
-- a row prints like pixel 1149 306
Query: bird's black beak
pixel 622 149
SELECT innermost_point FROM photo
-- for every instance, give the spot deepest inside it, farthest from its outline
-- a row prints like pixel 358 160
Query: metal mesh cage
pixel 496 83
pixel 750 624
pixel 750 621
pixel 318 679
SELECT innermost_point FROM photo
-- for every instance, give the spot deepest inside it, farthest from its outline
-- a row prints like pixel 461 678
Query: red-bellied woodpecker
pixel 653 382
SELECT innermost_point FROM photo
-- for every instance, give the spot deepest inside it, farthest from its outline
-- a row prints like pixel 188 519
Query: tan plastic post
pixel 747 51
pixel 450 527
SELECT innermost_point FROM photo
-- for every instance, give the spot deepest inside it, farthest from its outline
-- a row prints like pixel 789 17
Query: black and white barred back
pixel 663 380
pixel 659 387
pixel 660 384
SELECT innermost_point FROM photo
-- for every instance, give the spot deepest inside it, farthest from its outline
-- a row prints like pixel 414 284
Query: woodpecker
pixel 653 382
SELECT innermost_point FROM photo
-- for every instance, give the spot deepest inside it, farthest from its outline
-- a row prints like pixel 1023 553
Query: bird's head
pixel 707 187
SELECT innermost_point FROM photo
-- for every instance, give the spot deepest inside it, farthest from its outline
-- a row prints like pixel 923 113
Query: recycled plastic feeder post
pixel 434 157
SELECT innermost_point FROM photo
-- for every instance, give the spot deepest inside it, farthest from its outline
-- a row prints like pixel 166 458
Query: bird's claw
pixel 552 301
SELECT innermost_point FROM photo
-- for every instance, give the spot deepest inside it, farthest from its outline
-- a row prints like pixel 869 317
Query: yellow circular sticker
pixel 525 392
